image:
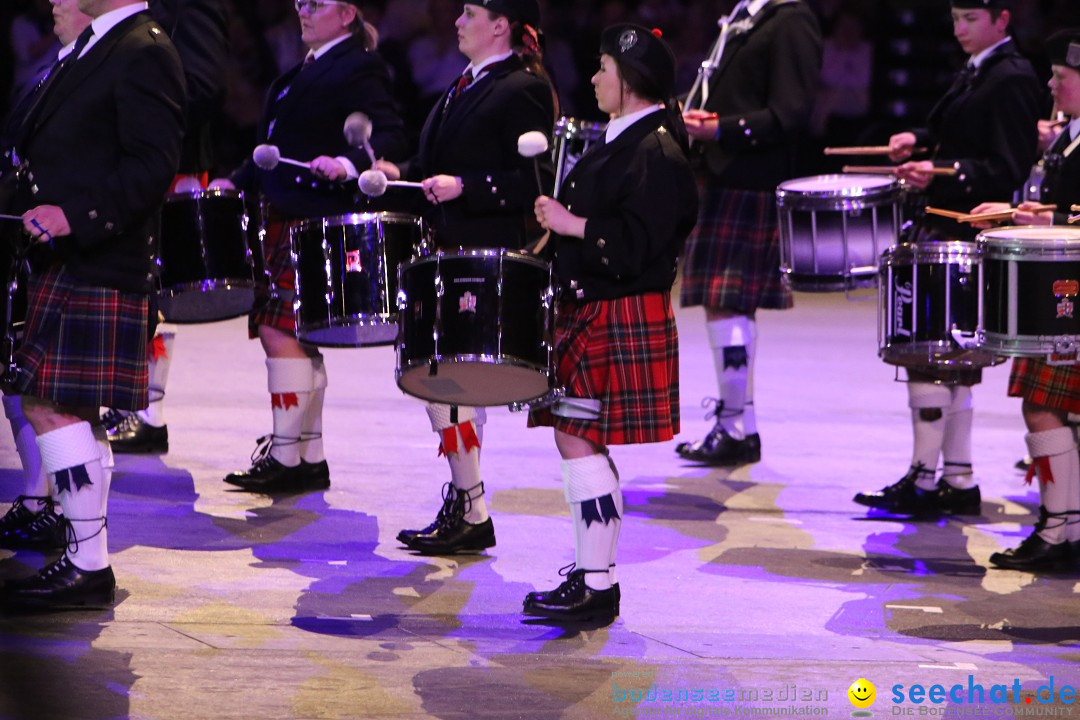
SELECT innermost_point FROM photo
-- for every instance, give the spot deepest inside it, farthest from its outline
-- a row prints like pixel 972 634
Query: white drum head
pixel 839 185
pixel 1034 237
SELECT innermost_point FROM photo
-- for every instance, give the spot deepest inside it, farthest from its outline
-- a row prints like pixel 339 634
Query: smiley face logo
pixel 862 693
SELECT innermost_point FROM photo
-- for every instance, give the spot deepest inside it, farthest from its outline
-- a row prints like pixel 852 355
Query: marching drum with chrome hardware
pixel 572 138
pixel 209 247
pixel 833 229
pixel 346 276
pixel 475 327
pixel 929 296
pixel 1030 282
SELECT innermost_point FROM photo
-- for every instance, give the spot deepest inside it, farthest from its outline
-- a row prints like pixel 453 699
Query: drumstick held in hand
pixel 1003 215
pixel 890 170
pixel 865 150
pixel 952 214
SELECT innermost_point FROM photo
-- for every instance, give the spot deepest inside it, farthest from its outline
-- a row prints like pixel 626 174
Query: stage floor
pixel 760 578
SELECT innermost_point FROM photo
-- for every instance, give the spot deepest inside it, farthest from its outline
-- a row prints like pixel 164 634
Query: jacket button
pixel 92 214
pixel 108 226
pixel 573 284
pixel 604 261
pixel 601 243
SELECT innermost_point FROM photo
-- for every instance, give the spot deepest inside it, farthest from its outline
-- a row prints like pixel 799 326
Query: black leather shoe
pixel 61 586
pixel 455 536
pixel 720 448
pixel 541 596
pixel 134 435
pixel 887 497
pixel 44 530
pixel 1034 553
pixel 954 501
pixel 574 601
pixel 453 507
pixel 267 475
pixel 18 515
pixel 942 500
pixel 317 472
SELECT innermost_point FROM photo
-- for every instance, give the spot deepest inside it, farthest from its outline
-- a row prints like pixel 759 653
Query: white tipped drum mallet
pixel 530 145
pixel 373 183
pixel 267 157
pixel 358 133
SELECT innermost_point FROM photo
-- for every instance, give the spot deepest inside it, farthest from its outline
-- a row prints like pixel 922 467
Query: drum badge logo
pixel 627 40
pixel 352 261
pixel 467 303
pixel 902 295
pixel 1066 289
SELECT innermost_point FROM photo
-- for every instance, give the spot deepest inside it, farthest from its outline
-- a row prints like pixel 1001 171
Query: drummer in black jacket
pixel 479 192
pixel 304 117
pixel 1052 392
pixel 984 131
pixel 616 345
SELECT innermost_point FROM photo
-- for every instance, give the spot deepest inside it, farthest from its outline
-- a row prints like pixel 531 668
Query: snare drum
pixel 475 328
pixel 1030 283
pixel 207 249
pixel 928 296
pixel 572 138
pixel 833 229
pixel 346 276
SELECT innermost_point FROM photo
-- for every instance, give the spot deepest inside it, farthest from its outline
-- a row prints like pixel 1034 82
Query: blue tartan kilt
pixel 84 346
pixel 732 259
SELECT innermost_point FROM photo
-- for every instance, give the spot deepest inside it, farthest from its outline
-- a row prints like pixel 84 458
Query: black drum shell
pixel 482 321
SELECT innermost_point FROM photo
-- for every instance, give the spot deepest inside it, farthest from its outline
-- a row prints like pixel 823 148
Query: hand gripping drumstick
pixel 1003 215
pixel 267 157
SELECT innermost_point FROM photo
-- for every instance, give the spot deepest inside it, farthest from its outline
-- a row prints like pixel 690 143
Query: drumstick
pixel 889 170
pixel 1004 214
pixel 11 217
pixel 1073 219
pixel 865 150
pixel 944 213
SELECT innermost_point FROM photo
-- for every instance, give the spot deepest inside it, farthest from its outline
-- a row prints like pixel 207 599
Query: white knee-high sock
pixel 731 340
pixel 34 481
pixel 461 432
pixel 290 382
pixel 928 402
pixel 108 462
pixel 72 456
pixel 956 468
pixel 749 414
pixel 160 350
pixel 590 483
pixel 1058 466
pixel 311 440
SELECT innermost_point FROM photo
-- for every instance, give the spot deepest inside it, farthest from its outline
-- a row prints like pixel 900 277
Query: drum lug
pixel 1065 351
pixel 552 397
pixel 966 340
pixel 433 366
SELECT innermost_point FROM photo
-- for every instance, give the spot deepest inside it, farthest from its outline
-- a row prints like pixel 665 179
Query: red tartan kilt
pixel 277 311
pixel 1051 386
pixel 732 259
pixel 625 353
pixel 84 346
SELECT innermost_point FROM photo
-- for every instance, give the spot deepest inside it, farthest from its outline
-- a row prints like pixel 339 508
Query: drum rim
pixel 570 126
pixel 355 219
pixel 438 255
pixel 782 190
pixel 1013 239
pixel 961 249
pixel 205 194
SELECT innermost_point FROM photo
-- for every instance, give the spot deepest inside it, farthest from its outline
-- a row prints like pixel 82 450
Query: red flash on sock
pixel 449 444
pixel 1043 465
pixel 156 349
pixel 283 400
